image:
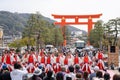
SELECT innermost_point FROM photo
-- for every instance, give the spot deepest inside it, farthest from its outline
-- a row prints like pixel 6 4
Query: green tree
pixel 96 35
pixel 41 30
pixel 112 29
pixel 57 36
pixel 22 42
pixel 28 31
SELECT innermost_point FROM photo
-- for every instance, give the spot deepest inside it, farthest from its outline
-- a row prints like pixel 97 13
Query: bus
pixel 80 44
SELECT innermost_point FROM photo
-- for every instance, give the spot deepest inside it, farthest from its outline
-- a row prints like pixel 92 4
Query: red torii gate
pixel 76 18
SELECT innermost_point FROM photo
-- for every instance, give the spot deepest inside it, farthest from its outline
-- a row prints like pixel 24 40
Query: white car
pixel 50 48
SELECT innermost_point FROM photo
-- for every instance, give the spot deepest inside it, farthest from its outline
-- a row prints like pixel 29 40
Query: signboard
pixel 113 55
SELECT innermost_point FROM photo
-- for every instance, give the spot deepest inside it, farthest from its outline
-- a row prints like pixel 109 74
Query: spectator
pixel 85 75
pixel 77 69
pixel 36 74
pixel 116 77
pixel 25 77
pixel 71 72
pixel 96 68
pixel 119 69
pixel 63 70
pixel 17 73
pixel 106 76
pixel 99 76
pixel 68 78
pixel 5 74
pixel 49 76
pixel 43 74
pixel 59 76
pixel 79 76
pixel 112 66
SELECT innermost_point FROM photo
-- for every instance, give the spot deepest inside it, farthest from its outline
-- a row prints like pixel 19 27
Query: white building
pixel 76 33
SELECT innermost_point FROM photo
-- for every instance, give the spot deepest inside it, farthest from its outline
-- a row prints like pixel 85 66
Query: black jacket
pixel 49 78
pixel 5 76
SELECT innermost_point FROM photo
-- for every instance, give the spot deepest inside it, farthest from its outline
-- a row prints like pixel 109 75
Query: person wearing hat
pixel 96 68
pixel 4 66
pixel 36 75
pixel 43 74
pixel 5 73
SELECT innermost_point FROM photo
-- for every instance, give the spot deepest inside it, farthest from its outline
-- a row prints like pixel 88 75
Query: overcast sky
pixel 109 8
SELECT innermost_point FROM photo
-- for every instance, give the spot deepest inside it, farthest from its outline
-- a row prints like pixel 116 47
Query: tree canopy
pixel 105 34
pixel 40 32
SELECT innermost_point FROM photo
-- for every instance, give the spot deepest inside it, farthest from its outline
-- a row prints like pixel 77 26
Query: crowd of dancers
pixel 55 62
pixel 52 61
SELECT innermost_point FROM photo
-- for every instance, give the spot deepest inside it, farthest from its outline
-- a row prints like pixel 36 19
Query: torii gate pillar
pixel 76 18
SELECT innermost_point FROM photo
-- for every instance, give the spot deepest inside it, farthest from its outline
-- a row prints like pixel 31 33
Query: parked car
pixel 50 48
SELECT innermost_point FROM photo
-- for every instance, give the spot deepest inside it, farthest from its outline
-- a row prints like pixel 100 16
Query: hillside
pixel 14 23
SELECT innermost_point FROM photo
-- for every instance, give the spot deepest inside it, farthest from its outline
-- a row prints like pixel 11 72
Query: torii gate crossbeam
pixel 75 22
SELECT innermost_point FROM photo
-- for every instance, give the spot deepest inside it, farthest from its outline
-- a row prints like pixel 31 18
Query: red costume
pixel 66 61
pixel 100 63
pixel 25 58
pixel 76 60
pixel 30 68
pixel 9 59
pixel 48 60
pixel 58 59
pixel 42 60
pixel 49 65
pixel 17 58
pixel 57 67
pixel 41 52
pixel 32 58
pixel 86 66
pixel 3 58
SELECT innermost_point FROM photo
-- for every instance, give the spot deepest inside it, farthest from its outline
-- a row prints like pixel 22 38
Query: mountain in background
pixel 14 23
